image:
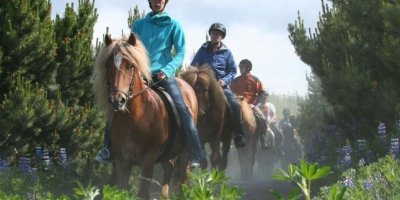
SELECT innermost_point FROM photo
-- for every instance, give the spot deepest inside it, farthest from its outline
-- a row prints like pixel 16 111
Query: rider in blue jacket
pixel 217 55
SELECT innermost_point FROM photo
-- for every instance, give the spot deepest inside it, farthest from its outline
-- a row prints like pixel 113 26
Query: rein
pixel 131 94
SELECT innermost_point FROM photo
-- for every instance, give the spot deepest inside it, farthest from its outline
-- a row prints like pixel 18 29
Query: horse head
pixel 206 87
pixel 125 62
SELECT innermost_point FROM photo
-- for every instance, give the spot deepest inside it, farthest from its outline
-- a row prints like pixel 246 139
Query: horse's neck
pixel 141 95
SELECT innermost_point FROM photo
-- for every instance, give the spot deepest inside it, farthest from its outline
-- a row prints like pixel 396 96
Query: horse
pixel 214 114
pixel 267 158
pixel 142 131
pixel 251 127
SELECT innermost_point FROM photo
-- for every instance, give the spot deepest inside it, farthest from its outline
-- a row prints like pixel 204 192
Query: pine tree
pixel 75 52
pixel 29 119
pixel 132 17
pixel 27 44
pixel 353 51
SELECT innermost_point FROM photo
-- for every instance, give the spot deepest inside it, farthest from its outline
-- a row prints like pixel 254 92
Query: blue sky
pixel 256 30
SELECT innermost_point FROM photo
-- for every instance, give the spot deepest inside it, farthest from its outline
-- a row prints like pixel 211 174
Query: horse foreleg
pixel 121 173
pixel 215 156
pixel 168 169
pixel 226 146
pixel 147 168
pixel 253 151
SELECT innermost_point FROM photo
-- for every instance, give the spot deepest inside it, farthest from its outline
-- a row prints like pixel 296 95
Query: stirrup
pixel 194 164
pixel 103 155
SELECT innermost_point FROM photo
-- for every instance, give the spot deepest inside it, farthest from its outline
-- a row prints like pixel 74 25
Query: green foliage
pixel 132 17
pixel 378 180
pixel 17 185
pixel 302 175
pixel 281 102
pixel 27 45
pixel 40 184
pixel 37 121
pixel 351 55
pixel 112 193
pixel 75 54
pixel 204 185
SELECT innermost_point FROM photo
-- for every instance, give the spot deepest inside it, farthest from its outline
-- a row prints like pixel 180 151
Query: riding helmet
pixel 248 63
pixel 219 27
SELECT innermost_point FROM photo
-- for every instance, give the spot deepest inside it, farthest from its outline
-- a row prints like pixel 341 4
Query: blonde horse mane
pixel 136 55
pixel 247 114
pixel 204 75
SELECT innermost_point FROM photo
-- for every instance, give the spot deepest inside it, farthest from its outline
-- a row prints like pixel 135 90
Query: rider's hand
pixel 221 82
pixel 161 75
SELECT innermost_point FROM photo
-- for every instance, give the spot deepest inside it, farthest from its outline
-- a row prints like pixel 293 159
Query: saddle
pixel 173 114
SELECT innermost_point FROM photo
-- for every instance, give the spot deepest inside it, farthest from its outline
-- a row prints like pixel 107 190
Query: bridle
pixel 130 94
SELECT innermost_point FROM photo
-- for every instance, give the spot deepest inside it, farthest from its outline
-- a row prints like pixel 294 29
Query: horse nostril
pixel 122 101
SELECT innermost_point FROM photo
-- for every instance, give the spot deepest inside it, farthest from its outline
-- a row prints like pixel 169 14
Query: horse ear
pixel 107 39
pixel 132 39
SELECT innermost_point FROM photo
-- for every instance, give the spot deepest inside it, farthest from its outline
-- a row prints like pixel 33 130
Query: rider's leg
pixel 263 127
pixel 187 124
pixel 105 154
pixel 237 124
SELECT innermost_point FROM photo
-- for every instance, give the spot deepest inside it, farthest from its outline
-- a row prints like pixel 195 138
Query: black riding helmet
pixel 247 63
pixel 219 27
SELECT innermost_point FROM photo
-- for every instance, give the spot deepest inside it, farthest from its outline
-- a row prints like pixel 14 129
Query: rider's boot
pixel 104 154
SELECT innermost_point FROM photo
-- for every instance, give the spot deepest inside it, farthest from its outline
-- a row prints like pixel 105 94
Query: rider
pixel 159 34
pixel 251 88
pixel 270 113
pixel 286 126
pixel 220 58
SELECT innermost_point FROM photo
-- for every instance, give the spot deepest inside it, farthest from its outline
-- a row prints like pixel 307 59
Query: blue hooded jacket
pixel 221 61
pixel 159 33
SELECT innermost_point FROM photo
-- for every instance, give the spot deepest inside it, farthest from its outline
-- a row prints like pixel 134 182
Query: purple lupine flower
pixel 394 147
pixel 29 196
pixel 46 159
pixel 38 153
pixel 362 144
pixel 382 130
pixel 362 162
pixel 347 149
pixel 348 182
pixel 368 185
pixel 4 165
pixel 25 164
pixel 63 156
pixel 346 159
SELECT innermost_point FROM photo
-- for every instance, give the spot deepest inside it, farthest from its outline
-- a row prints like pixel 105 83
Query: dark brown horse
pixel 142 132
pixel 214 126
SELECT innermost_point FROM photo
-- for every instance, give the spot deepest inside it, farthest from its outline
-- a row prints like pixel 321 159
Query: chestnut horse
pixel 247 154
pixel 214 125
pixel 142 131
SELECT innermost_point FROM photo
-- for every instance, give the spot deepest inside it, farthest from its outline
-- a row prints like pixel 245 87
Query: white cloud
pixel 257 30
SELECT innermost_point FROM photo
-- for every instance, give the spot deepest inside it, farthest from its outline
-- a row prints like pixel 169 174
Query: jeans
pixel 187 124
pixel 236 112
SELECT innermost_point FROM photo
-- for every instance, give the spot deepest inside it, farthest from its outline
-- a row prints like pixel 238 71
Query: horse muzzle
pixel 118 101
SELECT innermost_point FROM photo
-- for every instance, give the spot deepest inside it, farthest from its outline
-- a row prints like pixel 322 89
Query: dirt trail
pixel 257 187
